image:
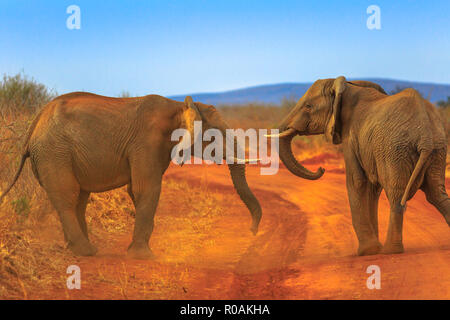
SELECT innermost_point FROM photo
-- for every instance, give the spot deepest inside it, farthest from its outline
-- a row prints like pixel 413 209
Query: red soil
pixel 305 249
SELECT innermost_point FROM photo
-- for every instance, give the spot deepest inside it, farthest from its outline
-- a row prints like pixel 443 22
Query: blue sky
pixel 176 47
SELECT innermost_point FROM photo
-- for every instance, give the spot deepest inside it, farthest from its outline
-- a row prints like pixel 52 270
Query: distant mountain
pixel 274 93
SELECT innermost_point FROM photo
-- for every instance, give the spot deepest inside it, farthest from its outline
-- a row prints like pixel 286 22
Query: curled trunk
pixel 292 164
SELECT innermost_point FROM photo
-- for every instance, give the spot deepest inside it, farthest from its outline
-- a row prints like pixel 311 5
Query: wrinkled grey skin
pixel 396 143
pixel 82 143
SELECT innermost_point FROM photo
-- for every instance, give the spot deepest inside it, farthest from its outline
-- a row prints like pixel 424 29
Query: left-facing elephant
pixel 391 142
pixel 82 143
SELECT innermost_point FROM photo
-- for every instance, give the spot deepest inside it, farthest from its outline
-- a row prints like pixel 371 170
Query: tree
pixel 443 103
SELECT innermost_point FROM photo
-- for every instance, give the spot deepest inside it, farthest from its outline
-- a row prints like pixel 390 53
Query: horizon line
pixel 304 83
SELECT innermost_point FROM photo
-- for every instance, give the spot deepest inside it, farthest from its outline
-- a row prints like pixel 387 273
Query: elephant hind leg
pixel 441 201
pixel 130 193
pixel 81 211
pixel 434 188
pixel 364 205
pixel 394 239
pixel 363 198
pixel 64 193
pixel 374 192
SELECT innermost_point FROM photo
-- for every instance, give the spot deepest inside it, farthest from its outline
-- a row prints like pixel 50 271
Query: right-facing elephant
pixel 391 142
pixel 82 143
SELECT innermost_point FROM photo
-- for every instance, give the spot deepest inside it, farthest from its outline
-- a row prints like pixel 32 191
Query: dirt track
pixel 305 248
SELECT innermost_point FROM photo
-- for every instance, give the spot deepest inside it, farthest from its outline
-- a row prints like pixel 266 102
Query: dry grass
pixel 256 115
pixel 33 257
pixel 22 258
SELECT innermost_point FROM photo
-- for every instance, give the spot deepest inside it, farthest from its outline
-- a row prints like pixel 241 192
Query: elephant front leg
pixel 146 190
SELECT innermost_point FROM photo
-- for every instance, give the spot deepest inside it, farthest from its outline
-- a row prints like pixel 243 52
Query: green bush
pixel 443 103
pixel 124 94
pixel 19 94
pixel 21 207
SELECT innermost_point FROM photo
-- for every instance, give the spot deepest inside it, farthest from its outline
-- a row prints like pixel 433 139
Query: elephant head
pixel 211 119
pixel 317 112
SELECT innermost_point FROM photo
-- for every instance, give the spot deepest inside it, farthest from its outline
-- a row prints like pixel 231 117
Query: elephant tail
pixel 424 154
pixel 25 154
pixel 16 177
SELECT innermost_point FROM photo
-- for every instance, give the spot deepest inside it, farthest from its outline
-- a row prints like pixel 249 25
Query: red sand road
pixel 325 266
pixel 306 247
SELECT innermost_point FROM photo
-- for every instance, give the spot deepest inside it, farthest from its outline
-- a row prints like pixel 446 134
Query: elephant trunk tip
pixel 255 224
pixel 320 172
pixel 254 230
pixel 291 163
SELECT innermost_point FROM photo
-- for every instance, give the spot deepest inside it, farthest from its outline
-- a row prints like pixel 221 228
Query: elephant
pixel 391 142
pixel 82 143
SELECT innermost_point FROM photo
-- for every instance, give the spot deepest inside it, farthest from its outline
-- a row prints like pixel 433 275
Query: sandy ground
pixel 305 249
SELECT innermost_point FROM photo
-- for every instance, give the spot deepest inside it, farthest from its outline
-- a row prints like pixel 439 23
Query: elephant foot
pixel 370 248
pixel 393 248
pixel 142 252
pixel 83 248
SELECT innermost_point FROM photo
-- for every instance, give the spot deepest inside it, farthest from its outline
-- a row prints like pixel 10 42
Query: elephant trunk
pixel 237 172
pixel 292 164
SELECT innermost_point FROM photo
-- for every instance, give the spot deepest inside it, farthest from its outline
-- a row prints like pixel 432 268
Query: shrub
pixel 443 103
pixel 124 94
pixel 22 207
pixel 19 94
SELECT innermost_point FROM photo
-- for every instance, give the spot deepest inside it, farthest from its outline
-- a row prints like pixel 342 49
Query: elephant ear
pixel 211 116
pixel 190 114
pixel 333 129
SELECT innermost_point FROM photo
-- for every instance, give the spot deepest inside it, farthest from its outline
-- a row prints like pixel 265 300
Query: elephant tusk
pixel 245 161
pixel 289 132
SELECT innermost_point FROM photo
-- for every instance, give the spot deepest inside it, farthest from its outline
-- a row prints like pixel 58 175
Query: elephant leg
pixel 438 197
pixel 374 192
pixel 146 188
pixel 434 188
pixel 394 239
pixel 130 193
pixel 363 198
pixel 63 192
pixel 81 211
